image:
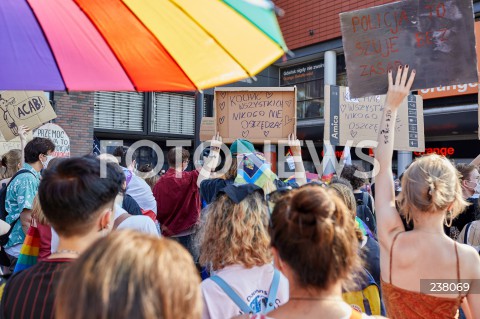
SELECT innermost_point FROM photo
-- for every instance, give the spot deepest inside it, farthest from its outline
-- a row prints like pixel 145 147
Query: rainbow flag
pixel 30 249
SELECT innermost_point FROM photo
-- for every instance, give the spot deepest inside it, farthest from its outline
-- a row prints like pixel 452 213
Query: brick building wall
pixel 321 16
pixel 75 116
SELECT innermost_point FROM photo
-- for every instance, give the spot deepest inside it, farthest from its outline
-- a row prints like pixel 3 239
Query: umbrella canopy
pixel 144 45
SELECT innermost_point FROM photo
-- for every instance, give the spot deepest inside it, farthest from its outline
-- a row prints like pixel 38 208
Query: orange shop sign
pixel 459 89
pixel 445 151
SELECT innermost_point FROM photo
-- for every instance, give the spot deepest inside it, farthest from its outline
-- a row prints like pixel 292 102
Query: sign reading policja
pixel 434 37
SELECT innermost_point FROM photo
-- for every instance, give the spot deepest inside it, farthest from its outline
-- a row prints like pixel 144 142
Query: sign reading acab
pixel 459 89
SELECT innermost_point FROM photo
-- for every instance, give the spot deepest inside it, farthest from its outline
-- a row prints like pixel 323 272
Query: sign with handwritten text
pixel 358 119
pixel 256 114
pixel 434 37
pixel 58 136
pixel 29 108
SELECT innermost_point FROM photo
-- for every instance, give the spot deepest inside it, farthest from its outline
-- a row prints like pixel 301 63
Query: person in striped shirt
pixel 78 203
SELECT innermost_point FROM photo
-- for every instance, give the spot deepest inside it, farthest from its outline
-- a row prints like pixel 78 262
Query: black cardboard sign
pixel 435 37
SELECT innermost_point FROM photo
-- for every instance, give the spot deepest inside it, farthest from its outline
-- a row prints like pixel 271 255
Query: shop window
pixel 119 111
pixel 173 114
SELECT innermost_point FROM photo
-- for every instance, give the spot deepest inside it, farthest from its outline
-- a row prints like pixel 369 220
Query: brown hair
pixel 430 185
pixel 10 161
pixel 315 235
pixel 152 181
pixel 345 193
pixel 232 171
pixel 465 170
pixel 141 277
pixel 171 156
pixel 235 233
pixel 355 175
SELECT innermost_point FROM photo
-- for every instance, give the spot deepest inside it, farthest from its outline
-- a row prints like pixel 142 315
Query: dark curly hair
pixel 348 173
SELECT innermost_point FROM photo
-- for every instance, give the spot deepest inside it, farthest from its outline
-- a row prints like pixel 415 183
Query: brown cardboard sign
pixel 207 128
pixel 356 120
pixel 30 108
pixel 256 114
pixel 435 37
pixel 13 144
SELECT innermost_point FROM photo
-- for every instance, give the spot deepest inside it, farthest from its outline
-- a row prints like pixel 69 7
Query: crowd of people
pixel 89 237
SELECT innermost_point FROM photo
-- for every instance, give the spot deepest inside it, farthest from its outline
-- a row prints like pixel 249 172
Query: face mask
pixel 476 188
pixel 49 158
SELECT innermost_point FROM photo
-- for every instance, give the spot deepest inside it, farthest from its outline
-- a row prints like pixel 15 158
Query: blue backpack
pixel 272 295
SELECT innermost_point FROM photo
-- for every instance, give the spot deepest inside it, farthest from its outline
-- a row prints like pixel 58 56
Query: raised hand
pixel 398 90
pixel 22 132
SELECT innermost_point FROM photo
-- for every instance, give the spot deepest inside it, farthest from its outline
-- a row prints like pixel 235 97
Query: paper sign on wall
pixel 359 119
pixel 58 136
pixel 256 114
pixel 435 37
pixel 30 108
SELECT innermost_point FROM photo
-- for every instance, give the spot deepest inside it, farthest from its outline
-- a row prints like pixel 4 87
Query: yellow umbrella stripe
pixel 203 60
pixel 249 46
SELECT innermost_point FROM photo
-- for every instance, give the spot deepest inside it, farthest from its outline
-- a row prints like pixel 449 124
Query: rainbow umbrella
pixel 143 45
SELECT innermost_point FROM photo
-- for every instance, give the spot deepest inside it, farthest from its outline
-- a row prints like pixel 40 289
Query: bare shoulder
pixel 241 317
pixel 469 261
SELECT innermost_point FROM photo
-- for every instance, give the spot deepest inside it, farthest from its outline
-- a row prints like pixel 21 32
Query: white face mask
pixel 477 188
pixel 49 158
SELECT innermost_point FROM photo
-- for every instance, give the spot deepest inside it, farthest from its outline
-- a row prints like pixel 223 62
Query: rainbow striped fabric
pixel 30 249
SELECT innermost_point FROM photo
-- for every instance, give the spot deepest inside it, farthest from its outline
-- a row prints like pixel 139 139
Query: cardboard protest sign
pixel 256 114
pixel 207 128
pixel 13 144
pixel 434 37
pixel 58 136
pixel 359 119
pixel 30 108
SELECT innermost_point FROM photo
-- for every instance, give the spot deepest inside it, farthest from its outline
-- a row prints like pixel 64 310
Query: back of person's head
pixel 172 157
pixel 235 233
pixel 142 277
pixel 341 180
pixel 353 174
pixel 345 193
pixel 11 162
pixel 73 194
pixel 431 185
pixel 314 234
pixel 36 147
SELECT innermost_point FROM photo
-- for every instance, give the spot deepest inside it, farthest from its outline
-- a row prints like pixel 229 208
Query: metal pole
pixel 198 117
pixel 330 78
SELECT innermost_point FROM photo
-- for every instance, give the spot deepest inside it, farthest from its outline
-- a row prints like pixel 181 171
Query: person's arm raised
pixel 212 161
pixel 295 146
pixel 388 220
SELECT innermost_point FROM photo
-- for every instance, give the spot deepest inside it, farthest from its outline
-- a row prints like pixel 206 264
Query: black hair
pixel 37 146
pixel 72 192
pixel 121 151
pixel 348 173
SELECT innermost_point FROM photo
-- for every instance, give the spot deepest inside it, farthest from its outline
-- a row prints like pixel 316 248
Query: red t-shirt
pixel 178 201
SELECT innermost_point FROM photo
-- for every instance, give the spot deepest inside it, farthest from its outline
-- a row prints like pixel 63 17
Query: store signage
pixel 445 151
pixel 302 73
pixel 435 37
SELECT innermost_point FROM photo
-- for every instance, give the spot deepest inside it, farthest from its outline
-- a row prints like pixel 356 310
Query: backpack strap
pixel 365 198
pixel 232 294
pixel 120 219
pixel 467 228
pixel 20 172
pixel 272 295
